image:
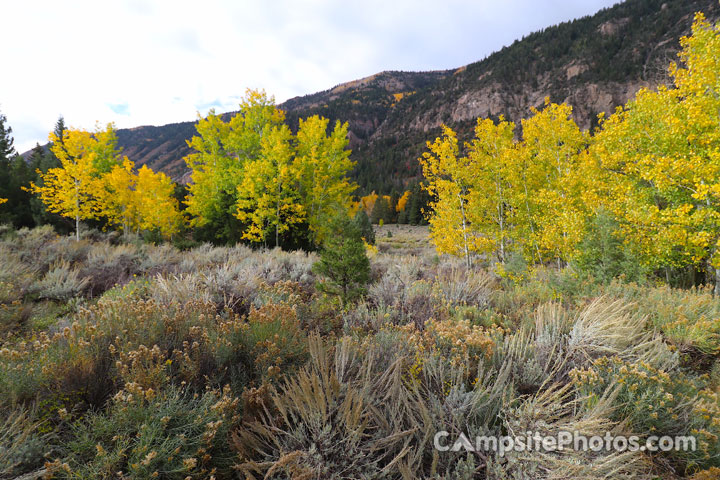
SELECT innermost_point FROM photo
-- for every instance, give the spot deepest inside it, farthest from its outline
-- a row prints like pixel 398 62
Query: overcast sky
pixel 151 62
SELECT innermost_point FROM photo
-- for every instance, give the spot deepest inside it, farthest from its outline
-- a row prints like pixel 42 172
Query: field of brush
pixel 120 359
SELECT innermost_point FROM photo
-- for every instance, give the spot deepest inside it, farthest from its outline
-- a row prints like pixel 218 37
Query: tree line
pixel 252 180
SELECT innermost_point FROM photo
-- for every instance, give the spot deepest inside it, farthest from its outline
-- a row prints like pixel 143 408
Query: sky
pixel 152 62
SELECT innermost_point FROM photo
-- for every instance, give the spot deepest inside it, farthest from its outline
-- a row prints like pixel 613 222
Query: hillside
pixel 594 63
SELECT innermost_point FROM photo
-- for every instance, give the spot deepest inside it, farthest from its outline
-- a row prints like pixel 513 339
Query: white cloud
pixel 139 62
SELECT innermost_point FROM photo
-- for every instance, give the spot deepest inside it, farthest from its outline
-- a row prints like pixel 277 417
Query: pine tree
pixel 366 229
pixel 6 153
pixel 15 174
pixel 415 215
pixel 7 150
pixel 41 160
pixel 343 261
pixel 380 210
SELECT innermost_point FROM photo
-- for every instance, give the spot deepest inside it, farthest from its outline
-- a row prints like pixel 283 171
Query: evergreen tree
pixel 419 200
pixel 343 261
pixel 380 210
pixel 60 128
pixel 392 206
pixel 7 150
pixel 18 205
pixel 42 160
pixel 365 226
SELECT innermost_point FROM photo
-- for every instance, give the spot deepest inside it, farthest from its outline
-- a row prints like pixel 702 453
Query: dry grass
pixel 403 239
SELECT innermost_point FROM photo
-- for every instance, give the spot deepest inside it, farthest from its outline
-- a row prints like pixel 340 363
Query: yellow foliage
pixel 267 198
pixel 402 201
pixel 554 216
pixel 400 95
pixel 158 209
pixel 449 179
pixel 368 202
pixel 142 201
pixel 322 163
pixel 654 164
pixel 71 190
pixel 253 167
pixel 222 149
pixel 503 193
pixel 370 250
pixel 658 160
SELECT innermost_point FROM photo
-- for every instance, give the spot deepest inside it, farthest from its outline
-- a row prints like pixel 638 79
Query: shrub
pixel 364 316
pixel 159 259
pixel 61 283
pixel 609 328
pixel 15 274
pixel 112 343
pixel 107 266
pixel 460 287
pixel 22 447
pixel 274 339
pixel 549 412
pixel 458 341
pixel 348 416
pixel 656 402
pixel 321 426
pixel 689 319
pixel 173 434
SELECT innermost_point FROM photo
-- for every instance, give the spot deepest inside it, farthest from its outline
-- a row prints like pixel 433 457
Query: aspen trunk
pixel 464 227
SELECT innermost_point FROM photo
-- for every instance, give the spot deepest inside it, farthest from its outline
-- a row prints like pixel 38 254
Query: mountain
pixel 594 63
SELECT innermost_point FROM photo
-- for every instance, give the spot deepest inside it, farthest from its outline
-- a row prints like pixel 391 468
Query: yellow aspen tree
pixel 490 208
pixel 268 199
pixel 368 202
pixel 3 200
pixel 661 157
pixel 157 209
pixel 449 180
pixel 107 151
pixel 553 213
pixel 71 189
pixel 322 163
pixel 221 150
pixel 402 201
pixel 116 196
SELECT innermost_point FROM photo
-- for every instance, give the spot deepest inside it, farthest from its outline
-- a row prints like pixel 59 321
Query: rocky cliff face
pixel 594 64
